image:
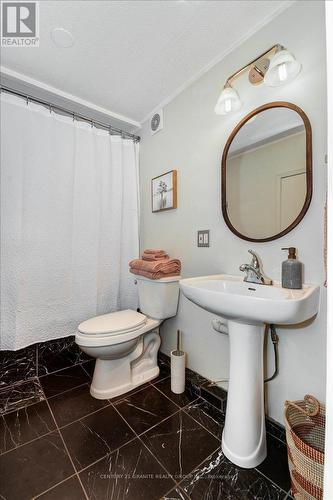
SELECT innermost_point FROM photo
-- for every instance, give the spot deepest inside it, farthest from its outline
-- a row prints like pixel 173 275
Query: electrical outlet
pixel 203 238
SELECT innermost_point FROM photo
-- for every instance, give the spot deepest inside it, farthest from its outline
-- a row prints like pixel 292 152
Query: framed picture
pixel 164 191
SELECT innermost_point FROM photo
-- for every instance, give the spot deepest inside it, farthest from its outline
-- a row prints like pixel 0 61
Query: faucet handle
pixel 255 259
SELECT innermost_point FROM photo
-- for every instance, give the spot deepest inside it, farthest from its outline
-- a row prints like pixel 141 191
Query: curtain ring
pixel 50 108
pixel 73 117
pixel 27 100
pixel 92 123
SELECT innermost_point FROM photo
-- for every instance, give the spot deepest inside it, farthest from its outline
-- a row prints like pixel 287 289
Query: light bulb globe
pixel 228 102
pixel 283 68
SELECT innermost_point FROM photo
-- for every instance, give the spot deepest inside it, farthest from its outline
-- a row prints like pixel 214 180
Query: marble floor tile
pixel 58 354
pixel 176 494
pixel 130 473
pixel 34 467
pixel 180 444
pixel 21 426
pixel 275 466
pixel 95 436
pixel 190 394
pixel 126 395
pixel 219 479
pixel 207 415
pixel 20 395
pixel 74 404
pixel 70 489
pixel 89 367
pixel 61 381
pixel 17 366
pixel 145 408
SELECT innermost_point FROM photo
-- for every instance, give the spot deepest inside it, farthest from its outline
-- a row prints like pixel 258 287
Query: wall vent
pixel 156 122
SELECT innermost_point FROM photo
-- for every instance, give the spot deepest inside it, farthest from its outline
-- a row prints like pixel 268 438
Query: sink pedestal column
pixel 244 435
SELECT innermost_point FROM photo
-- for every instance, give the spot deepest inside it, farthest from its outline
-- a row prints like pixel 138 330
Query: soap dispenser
pixel 291 270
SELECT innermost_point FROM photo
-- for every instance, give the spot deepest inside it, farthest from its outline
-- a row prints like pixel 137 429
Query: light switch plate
pixel 203 238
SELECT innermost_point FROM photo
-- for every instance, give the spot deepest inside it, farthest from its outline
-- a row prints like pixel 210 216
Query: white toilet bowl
pixel 125 343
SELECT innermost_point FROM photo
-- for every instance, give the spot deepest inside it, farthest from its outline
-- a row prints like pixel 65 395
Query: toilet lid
pixel 117 322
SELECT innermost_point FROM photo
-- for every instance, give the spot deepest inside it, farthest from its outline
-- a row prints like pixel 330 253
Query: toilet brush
pixel 178 368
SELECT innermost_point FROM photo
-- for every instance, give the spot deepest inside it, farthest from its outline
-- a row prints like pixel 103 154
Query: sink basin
pixel 247 308
pixel 232 298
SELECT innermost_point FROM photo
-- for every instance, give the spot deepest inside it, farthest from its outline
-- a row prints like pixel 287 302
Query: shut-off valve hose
pixel 275 342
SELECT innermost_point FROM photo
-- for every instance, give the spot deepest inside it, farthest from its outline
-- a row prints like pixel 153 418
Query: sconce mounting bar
pixel 275 48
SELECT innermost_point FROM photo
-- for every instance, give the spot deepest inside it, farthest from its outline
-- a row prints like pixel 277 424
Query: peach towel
pixel 155 269
pixel 152 250
pixel 153 276
pixel 166 267
pixel 155 264
pixel 154 256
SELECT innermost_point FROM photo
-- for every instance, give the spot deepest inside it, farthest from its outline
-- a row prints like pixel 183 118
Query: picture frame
pixel 164 191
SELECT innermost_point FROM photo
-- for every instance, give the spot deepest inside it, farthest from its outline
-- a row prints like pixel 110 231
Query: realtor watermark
pixel 19 24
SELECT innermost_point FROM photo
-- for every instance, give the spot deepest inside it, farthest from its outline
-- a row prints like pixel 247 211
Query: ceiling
pixel 131 56
pixel 270 125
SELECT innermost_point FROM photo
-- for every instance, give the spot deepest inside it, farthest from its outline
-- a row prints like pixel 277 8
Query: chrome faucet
pixel 254 272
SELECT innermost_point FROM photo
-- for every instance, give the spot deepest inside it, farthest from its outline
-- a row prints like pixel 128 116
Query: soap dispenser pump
pixel 291 270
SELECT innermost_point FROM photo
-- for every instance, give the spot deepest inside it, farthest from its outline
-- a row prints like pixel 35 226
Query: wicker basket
pixel 305 429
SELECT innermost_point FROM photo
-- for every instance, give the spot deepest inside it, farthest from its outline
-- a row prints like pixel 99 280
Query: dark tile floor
pixel 149 444
pixel 17 366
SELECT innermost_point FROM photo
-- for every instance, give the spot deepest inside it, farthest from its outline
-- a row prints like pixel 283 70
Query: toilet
pixel 125 343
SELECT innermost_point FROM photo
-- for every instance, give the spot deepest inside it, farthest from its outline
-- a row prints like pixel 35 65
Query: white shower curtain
pixel 69 223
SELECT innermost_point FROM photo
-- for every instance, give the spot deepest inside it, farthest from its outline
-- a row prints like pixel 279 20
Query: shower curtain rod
pixel 93 122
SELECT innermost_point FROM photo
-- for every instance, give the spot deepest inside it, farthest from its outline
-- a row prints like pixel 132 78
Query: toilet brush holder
pixel 177 369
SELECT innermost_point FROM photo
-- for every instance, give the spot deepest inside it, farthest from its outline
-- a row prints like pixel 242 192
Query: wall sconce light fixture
pixel 276 66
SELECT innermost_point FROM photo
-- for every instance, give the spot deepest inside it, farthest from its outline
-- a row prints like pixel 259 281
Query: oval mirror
pixel 267 172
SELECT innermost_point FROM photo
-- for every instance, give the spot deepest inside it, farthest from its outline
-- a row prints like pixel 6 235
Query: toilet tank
pixel 158 299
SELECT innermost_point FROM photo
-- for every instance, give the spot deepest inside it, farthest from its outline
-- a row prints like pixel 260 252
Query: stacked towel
pixel 153 255
pixel 153 251
pixel 155 264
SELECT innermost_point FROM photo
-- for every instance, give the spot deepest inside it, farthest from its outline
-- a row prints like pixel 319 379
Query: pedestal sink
pixel 247 307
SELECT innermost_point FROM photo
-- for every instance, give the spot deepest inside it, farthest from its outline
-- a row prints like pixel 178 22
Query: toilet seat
pixel 113 323
pixel 114 328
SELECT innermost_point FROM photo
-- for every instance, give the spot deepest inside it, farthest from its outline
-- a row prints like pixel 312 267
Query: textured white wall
pixel 192 142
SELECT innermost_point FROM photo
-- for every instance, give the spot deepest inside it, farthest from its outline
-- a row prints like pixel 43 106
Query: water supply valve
pixel 220 326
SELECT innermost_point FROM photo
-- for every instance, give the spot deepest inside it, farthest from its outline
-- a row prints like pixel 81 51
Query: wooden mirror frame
pixel 308 135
